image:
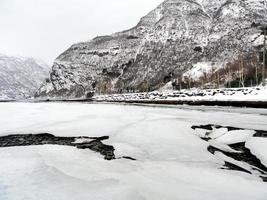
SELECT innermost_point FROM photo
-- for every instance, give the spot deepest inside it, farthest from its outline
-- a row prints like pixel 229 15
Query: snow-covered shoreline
pixel 222 94
pixel 254 97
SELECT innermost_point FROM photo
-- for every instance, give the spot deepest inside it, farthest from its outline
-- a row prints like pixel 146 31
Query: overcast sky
pixel 45 28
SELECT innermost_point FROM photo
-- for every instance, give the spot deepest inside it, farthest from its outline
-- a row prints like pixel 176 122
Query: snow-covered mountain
pixel 20 77
pixel 175 38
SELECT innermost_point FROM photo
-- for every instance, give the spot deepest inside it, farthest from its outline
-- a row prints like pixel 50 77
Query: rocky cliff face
pixel 20 77
pixel 171 40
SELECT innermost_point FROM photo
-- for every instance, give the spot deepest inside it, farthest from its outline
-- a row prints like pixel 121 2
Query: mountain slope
pixel 171 40
pixel 20 77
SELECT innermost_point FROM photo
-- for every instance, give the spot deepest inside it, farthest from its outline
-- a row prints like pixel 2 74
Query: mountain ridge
pixel 165 44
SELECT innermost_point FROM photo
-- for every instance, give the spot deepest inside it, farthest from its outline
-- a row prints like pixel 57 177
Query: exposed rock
pixel 92 143
pixel 242 158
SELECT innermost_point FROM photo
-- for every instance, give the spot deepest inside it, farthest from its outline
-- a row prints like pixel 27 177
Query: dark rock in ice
pixel 231 166
pixel 206 127
pixel 45 138
pixel 96 145
pixel 230 128
pixel 260 133
pixel 243 154
pixel 128 157
pixel 246 156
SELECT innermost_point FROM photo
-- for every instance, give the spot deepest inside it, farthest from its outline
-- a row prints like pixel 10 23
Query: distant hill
pixel 20 77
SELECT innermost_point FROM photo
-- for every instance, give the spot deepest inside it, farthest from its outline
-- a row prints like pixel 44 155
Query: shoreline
pixel 240 104
pixel 248 104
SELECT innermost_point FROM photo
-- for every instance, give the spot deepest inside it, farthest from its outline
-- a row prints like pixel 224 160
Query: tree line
pixel 244 71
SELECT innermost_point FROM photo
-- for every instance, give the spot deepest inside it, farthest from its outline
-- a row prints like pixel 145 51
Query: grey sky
pixel 45 28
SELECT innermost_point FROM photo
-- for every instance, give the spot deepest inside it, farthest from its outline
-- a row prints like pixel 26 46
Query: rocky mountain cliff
pixel 20 77
pixel 173 39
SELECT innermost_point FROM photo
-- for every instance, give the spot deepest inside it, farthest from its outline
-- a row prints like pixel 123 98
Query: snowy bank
pixel 194 96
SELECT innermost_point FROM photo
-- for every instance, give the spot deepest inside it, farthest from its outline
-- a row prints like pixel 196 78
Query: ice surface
pixel 236 136
pixel 172 162
pixel 218 133
pixel 258 147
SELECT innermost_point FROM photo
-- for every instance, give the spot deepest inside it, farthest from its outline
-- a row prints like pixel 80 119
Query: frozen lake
pixel 172 161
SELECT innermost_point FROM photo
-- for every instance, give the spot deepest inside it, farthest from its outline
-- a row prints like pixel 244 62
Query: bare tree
pixel 229 75
pixel 255 63
pixel 218 78
pixel 241 72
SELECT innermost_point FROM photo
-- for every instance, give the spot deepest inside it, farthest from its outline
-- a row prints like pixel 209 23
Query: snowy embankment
pixel 172 161
pixel 252 94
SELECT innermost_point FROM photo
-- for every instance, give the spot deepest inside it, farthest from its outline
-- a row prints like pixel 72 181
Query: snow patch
pixel 258 147
pixel 200 68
